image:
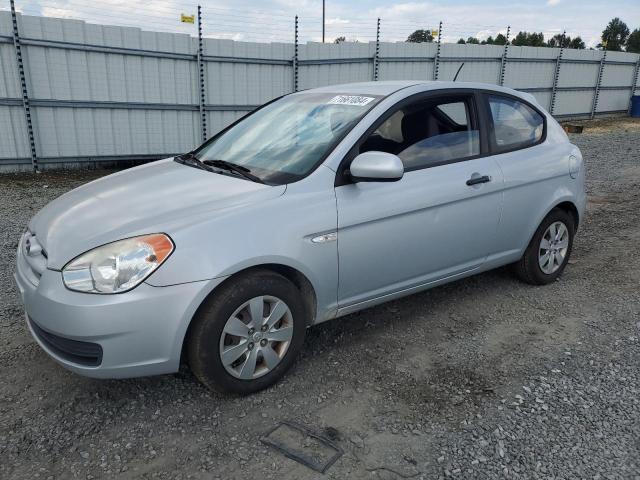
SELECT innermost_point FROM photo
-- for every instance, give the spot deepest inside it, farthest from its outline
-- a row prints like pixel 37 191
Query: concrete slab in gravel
pixel 302 445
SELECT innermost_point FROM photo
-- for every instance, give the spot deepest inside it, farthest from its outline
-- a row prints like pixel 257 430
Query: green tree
pixel 526 39
pixel 461 41
pixel 420 36
pixel 473 40
pixel 488 41
pixel 340 40
pixel 614 36
pixel 559 40
pixel 500 40
pixel 577 43
pixel 633 42
pixel 566 42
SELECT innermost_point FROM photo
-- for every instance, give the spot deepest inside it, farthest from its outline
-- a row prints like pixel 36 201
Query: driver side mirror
pixel 376 167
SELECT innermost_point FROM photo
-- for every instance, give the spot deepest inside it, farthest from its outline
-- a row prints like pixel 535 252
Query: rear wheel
pixel 547 255
pixel 248 334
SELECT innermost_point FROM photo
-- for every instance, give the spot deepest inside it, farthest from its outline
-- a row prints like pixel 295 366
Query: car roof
pixel 366 88
pixel 386 88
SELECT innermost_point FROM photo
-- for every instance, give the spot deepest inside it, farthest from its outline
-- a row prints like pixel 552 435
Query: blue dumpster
pixel 635 106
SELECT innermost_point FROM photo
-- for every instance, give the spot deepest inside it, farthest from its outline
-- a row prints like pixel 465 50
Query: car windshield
pixel 285 140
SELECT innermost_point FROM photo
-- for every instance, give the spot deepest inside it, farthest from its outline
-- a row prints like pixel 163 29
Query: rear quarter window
pixel 515 124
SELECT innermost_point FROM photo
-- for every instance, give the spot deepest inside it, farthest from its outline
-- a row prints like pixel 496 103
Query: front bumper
pixel 138 333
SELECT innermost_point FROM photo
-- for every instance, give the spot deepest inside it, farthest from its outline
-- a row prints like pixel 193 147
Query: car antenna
pixel 459 68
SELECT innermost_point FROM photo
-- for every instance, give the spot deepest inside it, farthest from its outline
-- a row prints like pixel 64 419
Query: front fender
pixel 324 288
pixel 277 231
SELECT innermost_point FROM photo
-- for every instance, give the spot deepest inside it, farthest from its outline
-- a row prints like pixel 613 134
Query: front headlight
pixel 119 266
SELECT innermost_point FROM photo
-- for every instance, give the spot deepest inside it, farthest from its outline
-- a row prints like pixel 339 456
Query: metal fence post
pixel 23 85
pixel 376 57
pixel 202 85
pixel 295 56
pixel 594 105
pixel 634 83
pixel 503 63
pixel 436 61
pixel 556 74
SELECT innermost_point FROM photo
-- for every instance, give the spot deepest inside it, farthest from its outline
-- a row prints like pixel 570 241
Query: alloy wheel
pixel 553 247
pixel 256 337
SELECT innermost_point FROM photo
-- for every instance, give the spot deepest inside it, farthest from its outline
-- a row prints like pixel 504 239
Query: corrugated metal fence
pixel 102 93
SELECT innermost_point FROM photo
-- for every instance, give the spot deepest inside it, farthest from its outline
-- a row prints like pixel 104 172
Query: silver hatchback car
pixel 316 205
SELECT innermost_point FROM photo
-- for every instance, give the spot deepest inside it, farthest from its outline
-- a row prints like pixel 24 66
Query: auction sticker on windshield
pixel 356 100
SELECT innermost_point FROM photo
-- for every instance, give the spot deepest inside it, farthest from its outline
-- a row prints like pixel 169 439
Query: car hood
pixel 158 197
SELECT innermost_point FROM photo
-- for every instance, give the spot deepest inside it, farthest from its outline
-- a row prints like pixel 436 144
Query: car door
pixel 438 221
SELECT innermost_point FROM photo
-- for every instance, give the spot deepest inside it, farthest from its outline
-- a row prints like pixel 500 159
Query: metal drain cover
pixel 302 445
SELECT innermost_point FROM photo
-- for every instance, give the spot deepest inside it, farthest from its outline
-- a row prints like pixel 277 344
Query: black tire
pixel 203 342
pixel 528 267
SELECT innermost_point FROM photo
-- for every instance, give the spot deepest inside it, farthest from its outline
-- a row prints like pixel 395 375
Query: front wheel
pixel 247 335
pixel 547 255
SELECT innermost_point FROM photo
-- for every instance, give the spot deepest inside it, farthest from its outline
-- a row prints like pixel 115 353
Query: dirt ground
pixel 482 378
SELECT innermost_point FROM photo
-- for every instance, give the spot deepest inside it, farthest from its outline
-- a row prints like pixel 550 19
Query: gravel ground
pixel 482 378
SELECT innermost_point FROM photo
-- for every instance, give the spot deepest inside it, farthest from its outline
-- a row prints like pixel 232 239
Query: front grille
pixel 82 353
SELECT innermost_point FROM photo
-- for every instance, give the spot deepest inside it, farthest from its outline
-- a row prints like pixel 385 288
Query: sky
pixel 272 20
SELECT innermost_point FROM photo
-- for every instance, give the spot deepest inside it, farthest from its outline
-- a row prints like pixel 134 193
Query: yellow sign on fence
pixel 187 18
pixel 434 33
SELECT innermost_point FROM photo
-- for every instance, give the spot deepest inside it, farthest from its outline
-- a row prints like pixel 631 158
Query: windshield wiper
pixel 186 158
pixel 190 159
pixel 232 167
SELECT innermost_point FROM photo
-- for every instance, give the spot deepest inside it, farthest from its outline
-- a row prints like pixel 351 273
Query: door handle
pixel 477 180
